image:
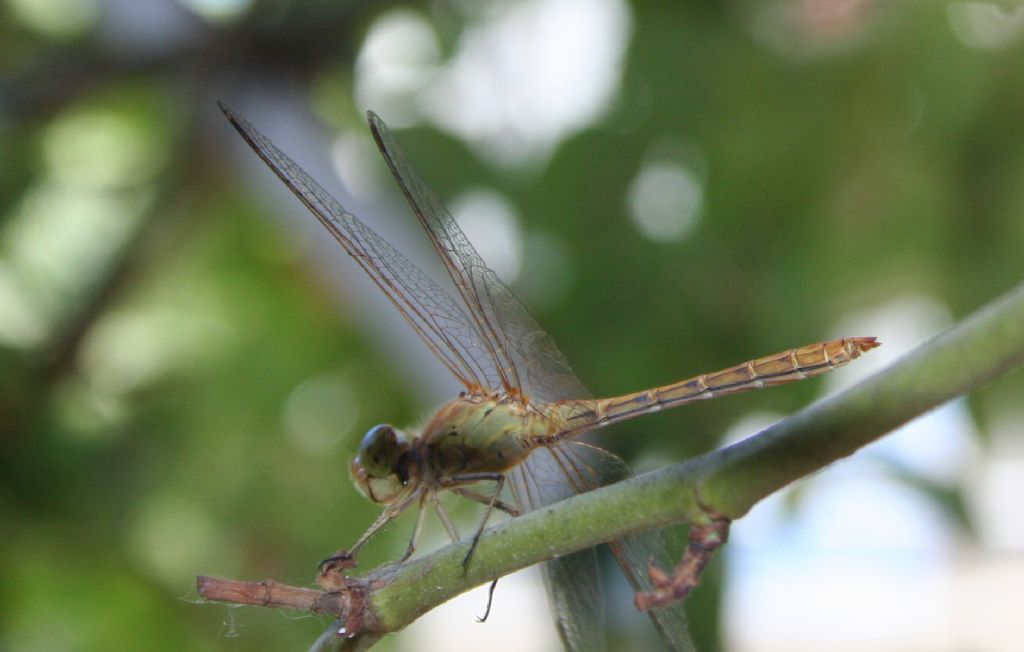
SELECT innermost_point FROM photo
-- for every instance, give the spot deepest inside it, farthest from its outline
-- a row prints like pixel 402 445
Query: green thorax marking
pixel 476 434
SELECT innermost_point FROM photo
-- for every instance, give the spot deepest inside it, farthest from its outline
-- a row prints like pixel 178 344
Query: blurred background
pixel 188 361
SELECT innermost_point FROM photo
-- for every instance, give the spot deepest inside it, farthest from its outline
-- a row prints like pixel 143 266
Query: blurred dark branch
pixel 63 345
pixel 154 237
pixel 292 45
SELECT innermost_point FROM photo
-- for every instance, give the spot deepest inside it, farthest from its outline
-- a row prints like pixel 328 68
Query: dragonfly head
pixel 381 470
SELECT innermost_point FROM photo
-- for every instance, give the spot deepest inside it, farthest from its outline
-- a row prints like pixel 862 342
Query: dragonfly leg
pixel 415 530
pixel 704 541
pixel 343 558
pixel 453 534
pixel 490 601
pixel 491 503
pixel 478 497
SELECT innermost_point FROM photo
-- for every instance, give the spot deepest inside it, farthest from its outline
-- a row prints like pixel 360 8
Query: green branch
pixel 977 350
pixel 725 482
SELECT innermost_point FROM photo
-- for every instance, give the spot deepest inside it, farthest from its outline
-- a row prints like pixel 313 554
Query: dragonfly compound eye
pixel 381 451
pixel 379 469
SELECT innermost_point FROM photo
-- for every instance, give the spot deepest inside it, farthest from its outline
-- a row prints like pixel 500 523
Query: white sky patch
pixel 859 565
pixel 995 489
pixel 940 445
pixel 749 425
pixel 867 562
pixel 492 226
pixel 794 588
pixel 861 511
pixel 519 620
pixel 900 325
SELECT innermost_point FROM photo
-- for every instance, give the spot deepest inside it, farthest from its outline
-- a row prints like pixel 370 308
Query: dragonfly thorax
pixel 478 434
pixel 384 465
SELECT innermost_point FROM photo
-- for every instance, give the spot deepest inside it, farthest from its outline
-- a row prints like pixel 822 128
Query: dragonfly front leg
pixel 343 558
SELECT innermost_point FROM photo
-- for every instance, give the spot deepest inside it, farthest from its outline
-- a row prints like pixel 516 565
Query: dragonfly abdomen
pixel 785 367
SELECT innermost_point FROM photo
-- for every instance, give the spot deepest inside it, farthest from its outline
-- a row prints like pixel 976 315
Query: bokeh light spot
pixel 491 225
pixel 171 537
pixel 665 201
pixel 399 55
pixel 59 18
pixel 986 25
pixel 218 11
pixel 320 414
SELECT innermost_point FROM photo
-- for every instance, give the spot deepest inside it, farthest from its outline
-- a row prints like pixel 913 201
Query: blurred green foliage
pixel 159 330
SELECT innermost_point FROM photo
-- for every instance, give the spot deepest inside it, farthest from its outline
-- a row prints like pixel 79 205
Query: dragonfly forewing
pixel 436 317
pixel 526 358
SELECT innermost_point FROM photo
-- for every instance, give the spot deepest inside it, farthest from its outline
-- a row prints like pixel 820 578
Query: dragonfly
pixel 522 411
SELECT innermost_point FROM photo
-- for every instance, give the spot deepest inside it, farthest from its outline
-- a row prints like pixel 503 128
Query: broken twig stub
pixel 347 602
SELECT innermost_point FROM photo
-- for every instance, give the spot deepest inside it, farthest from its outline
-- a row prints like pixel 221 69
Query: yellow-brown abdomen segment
pixel 788 366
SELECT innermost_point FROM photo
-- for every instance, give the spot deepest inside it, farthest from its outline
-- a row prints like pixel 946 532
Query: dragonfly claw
pixel 340 560
pixel 331 577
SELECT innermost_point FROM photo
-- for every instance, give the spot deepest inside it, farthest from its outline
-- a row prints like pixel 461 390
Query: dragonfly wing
pixel 584 467
pixel 526 357
pixel 573 581
pixel 439 320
